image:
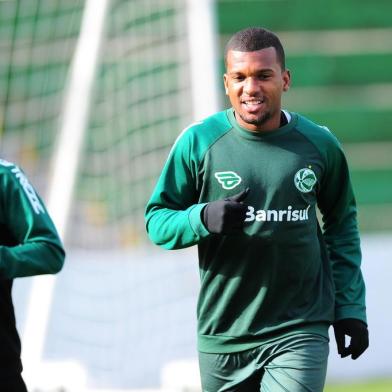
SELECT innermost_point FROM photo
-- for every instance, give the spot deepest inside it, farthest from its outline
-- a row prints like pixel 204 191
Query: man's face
pixel 254 82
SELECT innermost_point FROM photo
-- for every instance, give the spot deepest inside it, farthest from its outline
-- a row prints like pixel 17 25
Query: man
pixel 244 185
pixel 29 245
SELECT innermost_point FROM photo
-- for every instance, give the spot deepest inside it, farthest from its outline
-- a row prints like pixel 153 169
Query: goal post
pixel 66 155
pixel 204 54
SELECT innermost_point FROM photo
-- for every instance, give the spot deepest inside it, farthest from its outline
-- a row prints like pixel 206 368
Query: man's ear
pixel 225 83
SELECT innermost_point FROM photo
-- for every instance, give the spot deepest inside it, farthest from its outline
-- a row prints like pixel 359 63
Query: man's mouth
pixel 253 104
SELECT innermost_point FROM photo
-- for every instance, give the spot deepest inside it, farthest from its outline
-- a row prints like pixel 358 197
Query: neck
pixel 275 122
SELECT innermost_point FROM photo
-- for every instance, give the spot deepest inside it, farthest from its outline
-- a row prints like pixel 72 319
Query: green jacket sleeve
pixel 29 242
pixel 172 216
pixel 338 207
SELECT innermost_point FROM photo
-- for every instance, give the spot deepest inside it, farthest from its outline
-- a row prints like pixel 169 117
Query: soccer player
pixel 243 185
pixel 29 245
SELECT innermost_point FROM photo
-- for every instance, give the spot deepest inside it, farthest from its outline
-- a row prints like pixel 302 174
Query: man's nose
pixel 250 86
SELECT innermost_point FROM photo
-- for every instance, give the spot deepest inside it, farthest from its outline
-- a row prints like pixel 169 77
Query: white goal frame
pixel 65 162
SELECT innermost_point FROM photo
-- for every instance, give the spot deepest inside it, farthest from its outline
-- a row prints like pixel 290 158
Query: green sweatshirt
pixel 282 274
pixel 29 245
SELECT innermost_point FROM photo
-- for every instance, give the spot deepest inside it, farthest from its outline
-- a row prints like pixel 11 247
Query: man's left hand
pixel 358 332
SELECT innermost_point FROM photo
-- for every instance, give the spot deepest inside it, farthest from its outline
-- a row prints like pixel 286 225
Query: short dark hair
pixel 256 38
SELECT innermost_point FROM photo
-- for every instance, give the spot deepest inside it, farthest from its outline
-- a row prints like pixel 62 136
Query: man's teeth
pixel 253 102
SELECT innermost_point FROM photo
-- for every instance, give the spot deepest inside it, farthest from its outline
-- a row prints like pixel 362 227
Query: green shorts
pixel 295 363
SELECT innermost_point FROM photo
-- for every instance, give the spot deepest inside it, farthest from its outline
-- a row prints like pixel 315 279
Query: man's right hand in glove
pixel 226 216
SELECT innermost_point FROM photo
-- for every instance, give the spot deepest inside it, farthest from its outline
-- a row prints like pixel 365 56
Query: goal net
pixel 119 308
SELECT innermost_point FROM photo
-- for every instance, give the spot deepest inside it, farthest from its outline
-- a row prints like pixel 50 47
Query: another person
pixel 29 245
pixel 243 185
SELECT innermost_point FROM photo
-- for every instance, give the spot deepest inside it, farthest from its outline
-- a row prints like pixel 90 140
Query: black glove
pixel 226 216
pixel 359 334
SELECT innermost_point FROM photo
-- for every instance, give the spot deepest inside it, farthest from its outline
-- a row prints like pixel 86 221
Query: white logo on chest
pixel 228 179
pixel 305 179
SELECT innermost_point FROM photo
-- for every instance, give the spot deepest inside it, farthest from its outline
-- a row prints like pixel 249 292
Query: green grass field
pixel 370 386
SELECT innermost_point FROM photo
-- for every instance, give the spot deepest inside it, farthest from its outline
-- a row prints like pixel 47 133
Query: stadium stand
pixel 340 57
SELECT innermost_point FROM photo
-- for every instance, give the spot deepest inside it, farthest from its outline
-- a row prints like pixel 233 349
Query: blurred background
pixel 92 96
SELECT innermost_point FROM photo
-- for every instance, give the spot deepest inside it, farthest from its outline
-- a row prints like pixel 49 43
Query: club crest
pixel 228 179
pixel 305 179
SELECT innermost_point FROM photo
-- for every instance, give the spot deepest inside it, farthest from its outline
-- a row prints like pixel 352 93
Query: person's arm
pixel 32 245
pixel 173 214
pixel 175 218
pixel 338 207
